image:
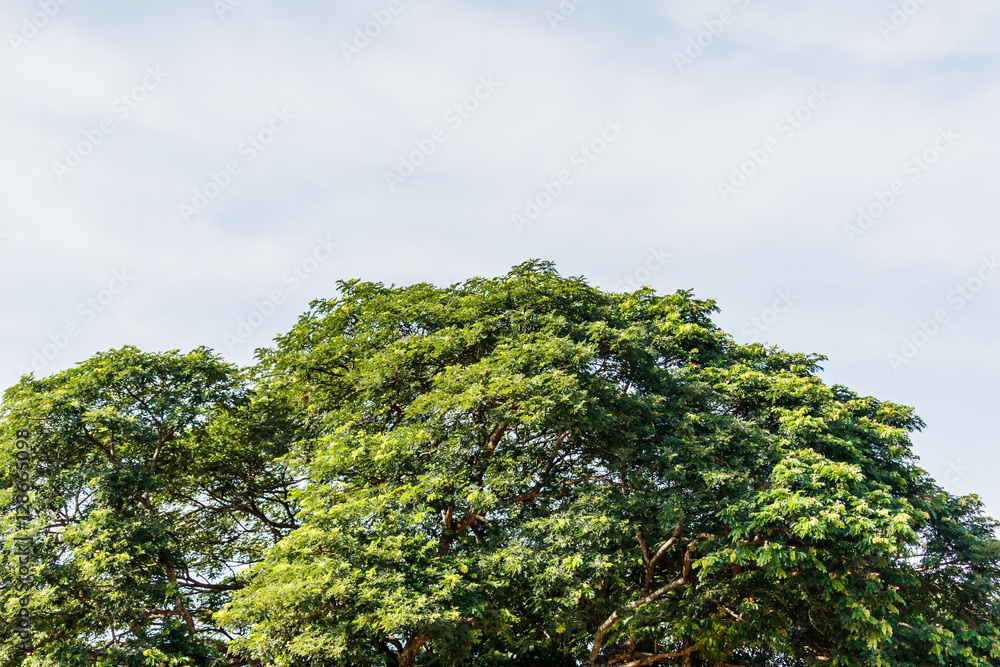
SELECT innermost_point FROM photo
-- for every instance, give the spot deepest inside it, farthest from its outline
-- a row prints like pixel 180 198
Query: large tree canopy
pixel 520 471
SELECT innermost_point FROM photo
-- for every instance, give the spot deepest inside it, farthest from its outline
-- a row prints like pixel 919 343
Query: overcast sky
pixel 195 172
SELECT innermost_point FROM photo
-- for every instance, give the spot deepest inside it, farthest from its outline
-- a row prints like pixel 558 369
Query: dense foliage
pixel 520 471
pixel 154 481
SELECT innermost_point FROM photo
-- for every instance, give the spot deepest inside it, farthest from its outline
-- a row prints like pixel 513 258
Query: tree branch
pixel 660 553
pixel 649 659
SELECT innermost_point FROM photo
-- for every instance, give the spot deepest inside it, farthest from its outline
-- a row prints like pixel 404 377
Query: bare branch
pixel 650 659
pixel 646 558
pixel 660 553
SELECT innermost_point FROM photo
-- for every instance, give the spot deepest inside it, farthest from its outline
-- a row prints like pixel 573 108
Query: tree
pixel 519 471
pixel 530 471
pixel 155 480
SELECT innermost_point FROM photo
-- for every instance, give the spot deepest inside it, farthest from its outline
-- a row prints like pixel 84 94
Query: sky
pixel 196 172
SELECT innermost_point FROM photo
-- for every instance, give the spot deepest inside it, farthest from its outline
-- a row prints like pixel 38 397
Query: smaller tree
pixel 157 477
